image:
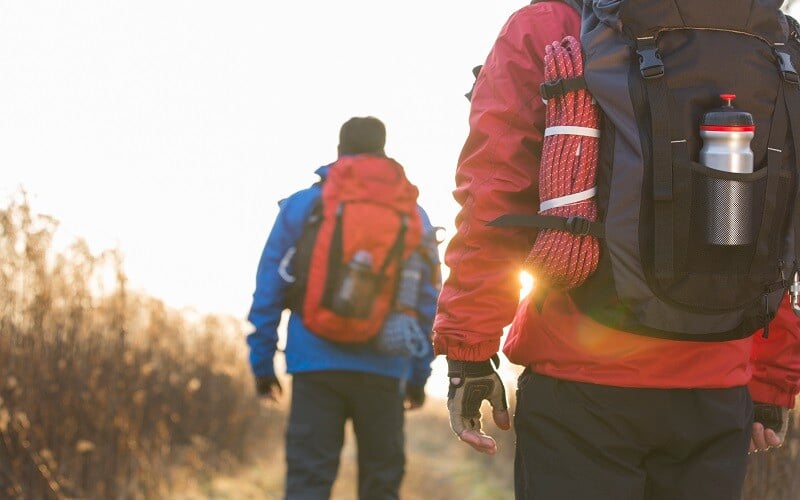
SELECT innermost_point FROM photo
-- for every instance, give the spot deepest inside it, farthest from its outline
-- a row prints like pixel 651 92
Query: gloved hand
pixel 415 397
pixel 470 383
pixel 770 424
pixel 268 388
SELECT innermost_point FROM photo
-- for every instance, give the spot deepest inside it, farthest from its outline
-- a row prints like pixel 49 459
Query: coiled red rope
pixel 561 259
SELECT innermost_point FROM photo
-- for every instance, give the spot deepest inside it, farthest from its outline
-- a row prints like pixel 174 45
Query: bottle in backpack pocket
pixel 726 134
pixel 356 288
pixel 410 277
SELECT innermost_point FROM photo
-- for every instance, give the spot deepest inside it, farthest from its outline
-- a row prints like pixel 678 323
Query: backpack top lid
pixel 376 179
pixel 646 17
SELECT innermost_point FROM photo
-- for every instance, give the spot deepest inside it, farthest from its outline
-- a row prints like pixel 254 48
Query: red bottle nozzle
pixel 728 98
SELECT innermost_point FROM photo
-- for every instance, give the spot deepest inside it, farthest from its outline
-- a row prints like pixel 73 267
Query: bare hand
pixel 764 439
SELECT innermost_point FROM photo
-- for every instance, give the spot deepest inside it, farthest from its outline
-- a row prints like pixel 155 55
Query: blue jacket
pixel 306 352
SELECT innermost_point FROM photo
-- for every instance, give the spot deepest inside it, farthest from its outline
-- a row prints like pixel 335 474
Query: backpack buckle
pixel 787 68
pixel 577 225
pixel 650 63
pixel 561 86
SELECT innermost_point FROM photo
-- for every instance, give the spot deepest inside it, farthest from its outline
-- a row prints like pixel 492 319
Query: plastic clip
pixel 650 63
pixel 787 68
pixel 577 225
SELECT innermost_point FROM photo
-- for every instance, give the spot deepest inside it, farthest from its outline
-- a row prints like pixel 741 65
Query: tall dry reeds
pixel 102 389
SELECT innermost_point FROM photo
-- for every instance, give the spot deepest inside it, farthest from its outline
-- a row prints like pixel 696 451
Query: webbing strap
pixel 335 254
pixel 663 196
pixel 397 247
pixel 775 144
pixel 682 191
pixel 575 225
pixel 793 106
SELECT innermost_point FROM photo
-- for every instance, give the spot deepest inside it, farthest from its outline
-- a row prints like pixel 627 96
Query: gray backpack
pixel 656 68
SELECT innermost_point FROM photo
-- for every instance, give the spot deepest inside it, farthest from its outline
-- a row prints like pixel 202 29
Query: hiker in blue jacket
pixel 333 382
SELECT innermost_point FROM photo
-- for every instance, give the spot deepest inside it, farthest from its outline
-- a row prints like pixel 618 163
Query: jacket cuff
pixel 465 352
pixel 766 393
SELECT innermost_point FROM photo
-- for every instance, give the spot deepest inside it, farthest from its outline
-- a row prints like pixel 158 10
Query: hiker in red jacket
pixel 601 413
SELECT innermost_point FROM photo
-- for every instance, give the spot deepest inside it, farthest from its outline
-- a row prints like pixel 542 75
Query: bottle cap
pixel 727 118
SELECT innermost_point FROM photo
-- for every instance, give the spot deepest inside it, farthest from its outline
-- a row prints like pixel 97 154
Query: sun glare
pixel 526 282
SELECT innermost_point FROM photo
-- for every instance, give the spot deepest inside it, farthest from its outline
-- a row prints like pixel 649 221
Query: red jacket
pixel 498 174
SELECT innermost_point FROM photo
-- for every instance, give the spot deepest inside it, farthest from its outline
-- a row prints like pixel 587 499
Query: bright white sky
pixel 171 128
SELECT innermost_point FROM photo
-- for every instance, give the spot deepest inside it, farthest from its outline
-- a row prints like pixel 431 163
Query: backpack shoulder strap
pixel 302 255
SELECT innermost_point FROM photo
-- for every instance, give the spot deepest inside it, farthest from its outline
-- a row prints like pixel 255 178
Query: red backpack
pixel 348 259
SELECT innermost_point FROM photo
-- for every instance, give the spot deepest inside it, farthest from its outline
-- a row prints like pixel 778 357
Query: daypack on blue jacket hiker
pixel 350 255
pixel 696 245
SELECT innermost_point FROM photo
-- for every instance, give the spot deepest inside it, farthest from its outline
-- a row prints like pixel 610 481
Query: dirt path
pixel 438 467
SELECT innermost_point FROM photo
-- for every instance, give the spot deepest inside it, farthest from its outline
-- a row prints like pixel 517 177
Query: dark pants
pixel 321 404
pixel 577 440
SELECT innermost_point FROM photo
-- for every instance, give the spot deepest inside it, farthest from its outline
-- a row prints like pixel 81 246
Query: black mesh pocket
pixel 725 216
pixel 728 212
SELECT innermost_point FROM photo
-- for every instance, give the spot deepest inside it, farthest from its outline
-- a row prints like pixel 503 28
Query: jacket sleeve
pixel 273 280
pixel 498 174
pixel 775 360
pixel 430 285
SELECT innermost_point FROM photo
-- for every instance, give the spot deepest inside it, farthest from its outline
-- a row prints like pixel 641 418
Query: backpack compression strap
pixel 336 252
pixel 666 149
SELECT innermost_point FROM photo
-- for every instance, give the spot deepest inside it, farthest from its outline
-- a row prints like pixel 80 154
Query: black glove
pixel 265 385
pixel 470 383
pixel 772 417
pixel 415 396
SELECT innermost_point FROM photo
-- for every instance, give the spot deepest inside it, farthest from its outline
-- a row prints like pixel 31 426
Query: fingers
pixel 500 406
pixel 497 398
pixel 763 439
pixel 757 440
pixel 456 422
pixel 501 419
pixel 772 438
pixel 479 441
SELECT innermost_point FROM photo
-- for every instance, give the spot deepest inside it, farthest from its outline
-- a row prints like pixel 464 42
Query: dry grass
pixel 101 390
